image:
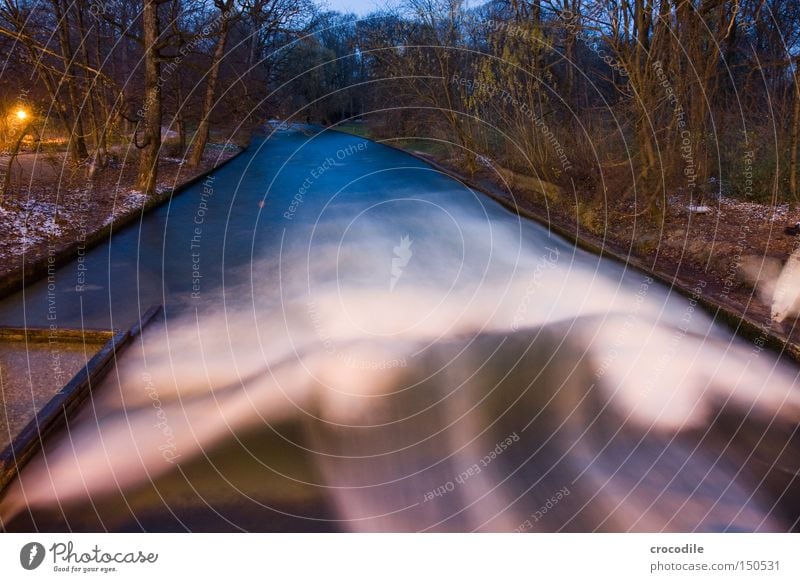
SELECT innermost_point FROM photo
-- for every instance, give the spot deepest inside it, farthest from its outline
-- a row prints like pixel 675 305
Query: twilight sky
pixel 363 7
pixel 359 7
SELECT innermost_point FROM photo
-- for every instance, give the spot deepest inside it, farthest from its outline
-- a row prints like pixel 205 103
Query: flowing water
pixel 354 341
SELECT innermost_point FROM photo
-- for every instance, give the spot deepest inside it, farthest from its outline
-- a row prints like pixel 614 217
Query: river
pixel 354 341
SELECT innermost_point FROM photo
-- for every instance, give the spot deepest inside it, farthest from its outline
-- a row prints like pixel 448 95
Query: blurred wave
pixel 489 382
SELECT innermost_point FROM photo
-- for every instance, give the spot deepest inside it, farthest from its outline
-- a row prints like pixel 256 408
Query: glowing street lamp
pixel 22 114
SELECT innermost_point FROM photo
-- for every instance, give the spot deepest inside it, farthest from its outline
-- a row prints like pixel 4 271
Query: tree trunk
pixel 795 135
pixel 12 155
pixel 99 156
pixel 201 137
pixel 180 116
pixel 151 111
pixel 77 141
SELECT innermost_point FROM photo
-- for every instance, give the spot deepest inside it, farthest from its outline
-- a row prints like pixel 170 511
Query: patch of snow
pixel 755 210
pixel 33 223
pixel 125 202
pixel 222 146
pixel 484 161
pixel 279 124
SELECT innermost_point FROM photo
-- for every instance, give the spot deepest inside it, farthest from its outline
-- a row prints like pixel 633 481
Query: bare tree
pixel 222 22
pixel 150 145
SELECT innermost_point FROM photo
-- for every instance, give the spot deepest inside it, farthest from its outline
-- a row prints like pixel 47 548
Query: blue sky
pixel 359 7
pixel 363 7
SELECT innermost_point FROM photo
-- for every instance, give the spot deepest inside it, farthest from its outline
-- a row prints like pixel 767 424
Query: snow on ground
pixel 125 202
pixel 52 211
pixel 779 213
pixel 34 222
pixel 754 211
pixel 221 147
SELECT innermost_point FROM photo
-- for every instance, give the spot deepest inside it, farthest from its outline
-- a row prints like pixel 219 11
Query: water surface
pixel 349 333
